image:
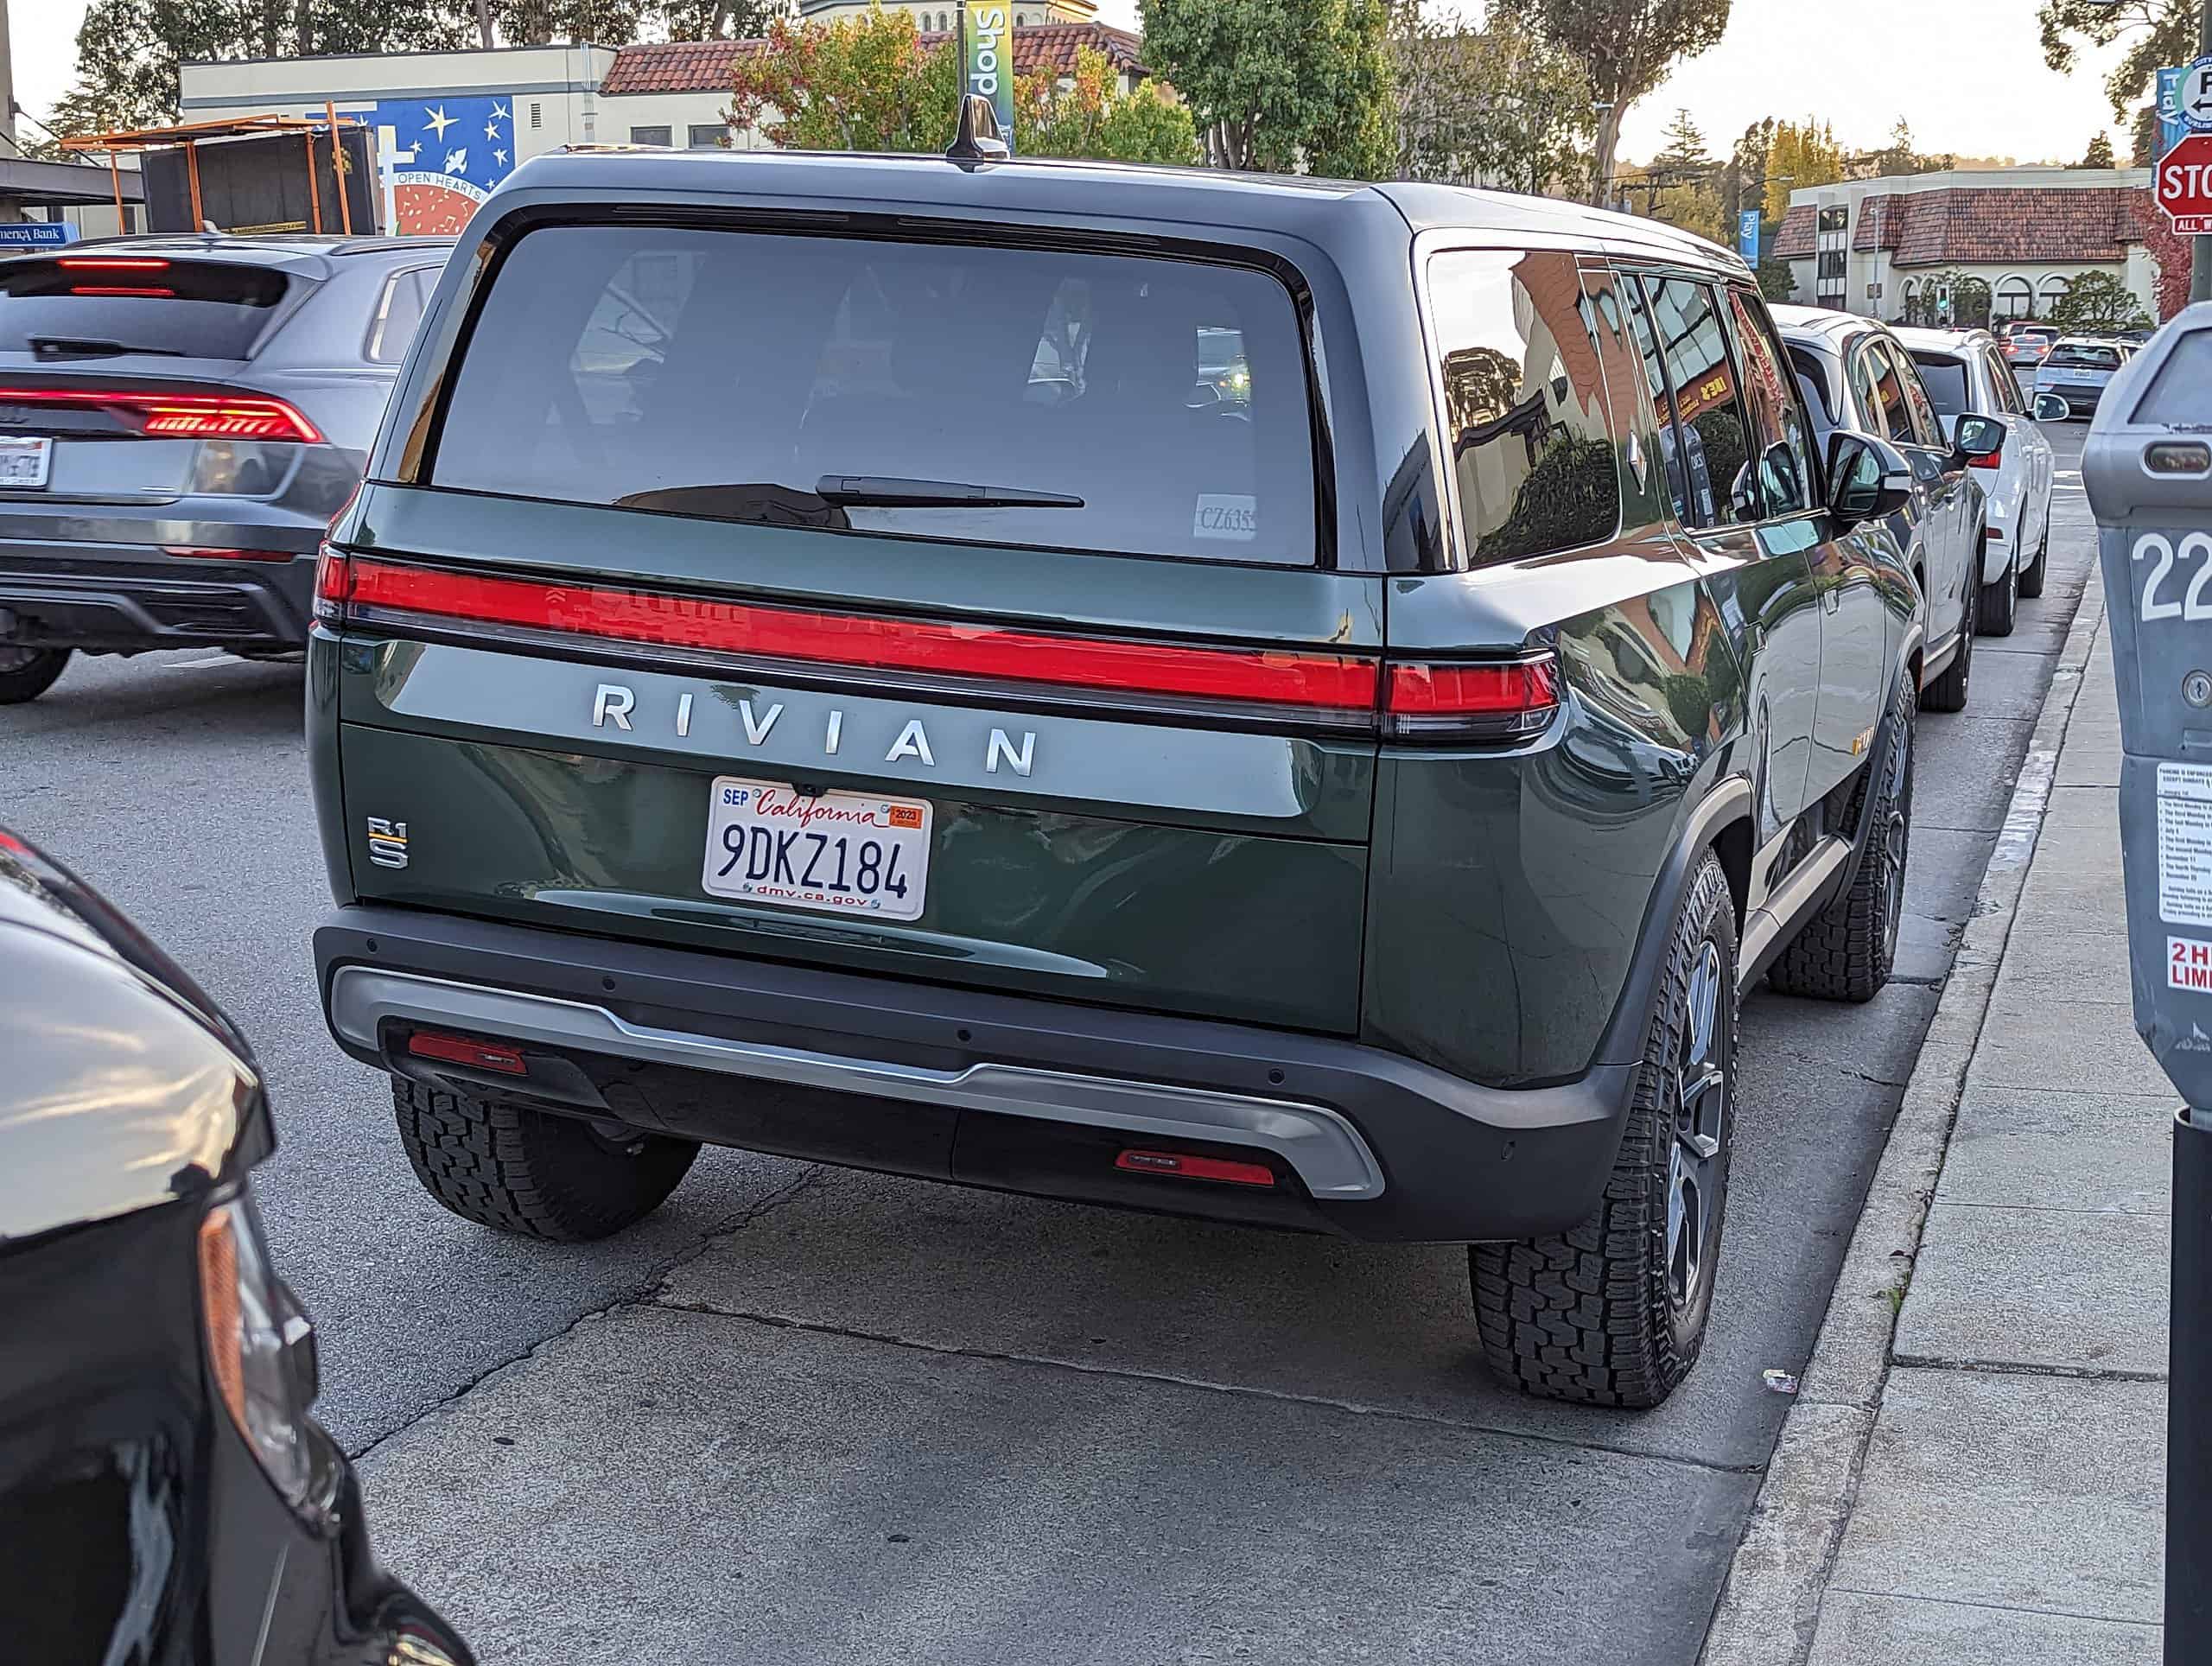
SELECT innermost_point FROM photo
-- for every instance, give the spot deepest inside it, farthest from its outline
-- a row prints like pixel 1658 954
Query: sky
pixel 1968 74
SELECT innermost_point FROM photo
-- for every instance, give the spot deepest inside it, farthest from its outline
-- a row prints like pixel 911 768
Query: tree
pixel 2098 301
pixel 1281 84
pixel 2170 252
pixel 868 83
pixel 2158 33
pixel 723 20
pixel 1776 282
pixel 1626 46
pixel 1091 117
pixel 1900 157
pixel 2098 155
pixel 1497 106
pixel 1685 146
pixel 1803 153
pixel 861 83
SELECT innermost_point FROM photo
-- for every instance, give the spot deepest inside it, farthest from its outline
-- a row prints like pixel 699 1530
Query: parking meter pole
pixel 2188 1372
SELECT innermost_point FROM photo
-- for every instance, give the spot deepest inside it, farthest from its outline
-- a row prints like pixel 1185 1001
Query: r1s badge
pixel 387 843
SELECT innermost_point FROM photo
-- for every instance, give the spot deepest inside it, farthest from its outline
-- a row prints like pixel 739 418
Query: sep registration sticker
pixel 2188 964
pixel 852 852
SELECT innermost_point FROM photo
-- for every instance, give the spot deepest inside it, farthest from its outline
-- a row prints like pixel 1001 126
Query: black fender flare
pixel 1728 800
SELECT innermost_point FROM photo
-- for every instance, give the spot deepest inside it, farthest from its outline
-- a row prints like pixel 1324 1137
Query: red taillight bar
pixel 140 292
pixel 1425 700
pixel 459 1050
pixel 1307 681
pixel 183 416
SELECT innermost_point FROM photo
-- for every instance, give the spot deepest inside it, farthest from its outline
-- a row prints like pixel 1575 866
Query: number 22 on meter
pixel 2193 605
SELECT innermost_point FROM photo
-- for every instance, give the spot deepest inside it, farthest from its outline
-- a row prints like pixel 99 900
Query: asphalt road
pixel 806 1415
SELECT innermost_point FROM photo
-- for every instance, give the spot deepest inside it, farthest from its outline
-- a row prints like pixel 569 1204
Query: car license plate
pixel 24 460
pixel 852 852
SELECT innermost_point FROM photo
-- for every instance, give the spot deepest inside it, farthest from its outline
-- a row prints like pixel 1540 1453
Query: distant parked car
pixel 179 418
pixel 1856 375
pixel 2026 345
pixel 1966 375
pixel 165 1493
pixel 2078 370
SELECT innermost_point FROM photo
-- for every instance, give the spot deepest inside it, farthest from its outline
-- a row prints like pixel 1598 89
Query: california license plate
pixel 24 460
pixel 852 852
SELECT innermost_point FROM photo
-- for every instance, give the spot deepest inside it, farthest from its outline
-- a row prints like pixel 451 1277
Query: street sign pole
pixel 2199 261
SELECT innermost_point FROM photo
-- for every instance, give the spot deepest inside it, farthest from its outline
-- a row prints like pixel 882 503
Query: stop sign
pixel 2183 184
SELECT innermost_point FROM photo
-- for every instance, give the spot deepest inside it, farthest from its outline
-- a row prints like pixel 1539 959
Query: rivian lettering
pixel 616 703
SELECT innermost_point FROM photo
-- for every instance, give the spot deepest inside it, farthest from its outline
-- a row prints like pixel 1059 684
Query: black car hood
pixel 122 1087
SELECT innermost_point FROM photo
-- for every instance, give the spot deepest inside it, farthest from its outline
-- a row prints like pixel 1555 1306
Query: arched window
pixel 1912 301
pixel 2050 292
pixel 2015 298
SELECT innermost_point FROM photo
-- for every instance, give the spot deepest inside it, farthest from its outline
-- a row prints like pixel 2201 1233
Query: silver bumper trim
pixel 1326 1150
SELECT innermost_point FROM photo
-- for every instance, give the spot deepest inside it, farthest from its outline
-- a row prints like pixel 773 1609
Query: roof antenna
pixel 980 138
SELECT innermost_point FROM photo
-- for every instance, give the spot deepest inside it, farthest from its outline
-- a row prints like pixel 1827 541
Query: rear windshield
pixel 2085 358
pixel 2183 393
pixel 1945 379
pixel 101 302
pixel 1159 404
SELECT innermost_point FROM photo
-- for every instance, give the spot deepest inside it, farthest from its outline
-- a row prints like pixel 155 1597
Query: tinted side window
pixel 1524 404
pixel 1655 379
pixel 1872 419
pixel 1821 397
pixel 740 376
pixel 1707 401
pixel 1889 387
pixel 1777 425
pixel 1944 375
pixel 1927 429
pixel 2002 384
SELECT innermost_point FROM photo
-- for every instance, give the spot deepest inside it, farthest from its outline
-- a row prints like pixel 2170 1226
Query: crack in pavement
pixel 2023 1367
pixel 1355 1408
pixel 639 1293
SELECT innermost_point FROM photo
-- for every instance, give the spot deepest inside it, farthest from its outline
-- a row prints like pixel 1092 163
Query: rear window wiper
pixel 72 346
pixel 886 492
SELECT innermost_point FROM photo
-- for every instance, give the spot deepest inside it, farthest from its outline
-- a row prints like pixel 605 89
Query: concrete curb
pixel 1771 1603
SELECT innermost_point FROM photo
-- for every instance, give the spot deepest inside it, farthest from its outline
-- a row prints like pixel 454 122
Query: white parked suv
pixel 1965 374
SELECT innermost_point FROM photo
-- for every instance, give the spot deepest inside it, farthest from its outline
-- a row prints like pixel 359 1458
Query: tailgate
pixel 1206 855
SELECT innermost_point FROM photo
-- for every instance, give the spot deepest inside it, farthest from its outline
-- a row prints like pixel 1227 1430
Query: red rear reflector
pixel 1177 1166
pixel 112 264
pixel 1333 683
pixel 207 552
pixel 182 416
pixel 459 1050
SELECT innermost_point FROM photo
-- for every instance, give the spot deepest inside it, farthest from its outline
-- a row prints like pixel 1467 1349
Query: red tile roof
pixel 1965 225
pixel 1793 238
pixel 1881 223
pixel 710 66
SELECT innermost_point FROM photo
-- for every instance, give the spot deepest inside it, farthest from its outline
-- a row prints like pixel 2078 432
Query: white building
pixel 1886 247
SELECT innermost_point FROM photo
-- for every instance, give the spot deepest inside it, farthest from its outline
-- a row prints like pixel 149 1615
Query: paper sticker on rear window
pixel 1226 515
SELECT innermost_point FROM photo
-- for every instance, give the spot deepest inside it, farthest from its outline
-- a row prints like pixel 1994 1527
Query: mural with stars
pixel 448 154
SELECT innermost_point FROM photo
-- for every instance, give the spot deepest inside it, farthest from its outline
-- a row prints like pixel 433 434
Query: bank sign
pixel 987 29
pixel 444 156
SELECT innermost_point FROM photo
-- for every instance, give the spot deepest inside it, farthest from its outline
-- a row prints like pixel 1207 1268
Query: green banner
pixel 987 40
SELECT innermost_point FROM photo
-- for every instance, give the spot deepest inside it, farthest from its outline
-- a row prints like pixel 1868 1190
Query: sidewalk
pixel 1987 1481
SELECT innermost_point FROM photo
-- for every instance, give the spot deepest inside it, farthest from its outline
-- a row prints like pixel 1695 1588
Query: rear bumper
pixel 138 597
pixel 971 1086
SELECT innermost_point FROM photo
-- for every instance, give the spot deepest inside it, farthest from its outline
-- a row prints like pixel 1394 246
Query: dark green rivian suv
pixel 1296 702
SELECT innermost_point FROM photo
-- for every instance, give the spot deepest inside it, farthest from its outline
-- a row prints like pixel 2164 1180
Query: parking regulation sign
pixel 2193 100
pixel 2183 185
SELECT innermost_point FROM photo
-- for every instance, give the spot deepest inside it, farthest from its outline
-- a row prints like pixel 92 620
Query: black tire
pixel 1612 1312
pixel 1949 692
pixel 2031 576
pixel 26 673
pixel 1999 601
pixel 525 1172
pixel 1845 952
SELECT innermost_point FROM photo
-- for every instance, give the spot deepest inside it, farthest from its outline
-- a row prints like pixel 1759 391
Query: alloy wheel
pixel 1700 1108
pixel 1895 833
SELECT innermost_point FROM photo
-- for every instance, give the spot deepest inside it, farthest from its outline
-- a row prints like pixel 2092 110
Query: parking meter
pixel 2148 468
